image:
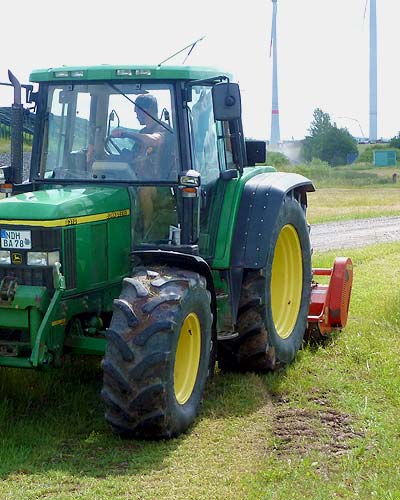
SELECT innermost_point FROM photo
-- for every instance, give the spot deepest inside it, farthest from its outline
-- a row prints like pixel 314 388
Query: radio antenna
pixel 191 46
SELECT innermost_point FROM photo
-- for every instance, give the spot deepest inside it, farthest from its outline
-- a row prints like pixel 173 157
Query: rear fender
pixel 261 201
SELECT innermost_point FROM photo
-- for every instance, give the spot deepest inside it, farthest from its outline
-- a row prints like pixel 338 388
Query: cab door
pixel 211 152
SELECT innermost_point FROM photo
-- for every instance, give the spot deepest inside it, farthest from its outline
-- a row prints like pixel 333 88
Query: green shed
pixel 385 158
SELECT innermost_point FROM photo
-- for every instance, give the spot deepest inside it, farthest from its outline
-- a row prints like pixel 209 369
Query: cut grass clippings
pixel 325 427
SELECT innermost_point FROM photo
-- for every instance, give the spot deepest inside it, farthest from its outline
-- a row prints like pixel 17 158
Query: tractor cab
pixel 141 128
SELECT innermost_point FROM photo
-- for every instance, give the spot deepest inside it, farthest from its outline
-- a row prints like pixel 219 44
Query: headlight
pixel 43 258
pixel 5 257
pixel 52 258
pixel 37 259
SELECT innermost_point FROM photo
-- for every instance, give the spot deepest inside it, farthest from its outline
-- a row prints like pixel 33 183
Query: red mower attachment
pixel 329 305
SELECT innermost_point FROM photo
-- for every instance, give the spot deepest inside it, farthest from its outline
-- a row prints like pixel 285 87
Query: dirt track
pixel 355 233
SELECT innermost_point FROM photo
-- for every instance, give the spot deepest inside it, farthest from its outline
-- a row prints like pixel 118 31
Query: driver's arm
pixel 152 139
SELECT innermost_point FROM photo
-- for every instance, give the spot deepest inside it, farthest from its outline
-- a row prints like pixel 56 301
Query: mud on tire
pixel 158 353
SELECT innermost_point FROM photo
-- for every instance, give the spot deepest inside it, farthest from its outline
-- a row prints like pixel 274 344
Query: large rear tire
pixel 159 353
pixel 274 301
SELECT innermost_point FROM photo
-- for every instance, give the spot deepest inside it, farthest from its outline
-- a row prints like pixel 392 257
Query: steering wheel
pixel 111 140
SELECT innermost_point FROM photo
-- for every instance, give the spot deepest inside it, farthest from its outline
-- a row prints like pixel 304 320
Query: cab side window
pixel 204 134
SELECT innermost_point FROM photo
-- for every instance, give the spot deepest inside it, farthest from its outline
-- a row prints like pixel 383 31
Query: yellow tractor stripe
pixel 70 221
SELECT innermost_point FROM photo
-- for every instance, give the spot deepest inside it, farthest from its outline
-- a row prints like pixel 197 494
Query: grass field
pixel 329 204
pixel 351 192
pixel 326 427
pixel 5 146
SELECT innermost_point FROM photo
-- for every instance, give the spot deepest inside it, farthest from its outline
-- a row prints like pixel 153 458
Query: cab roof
pixel 125 72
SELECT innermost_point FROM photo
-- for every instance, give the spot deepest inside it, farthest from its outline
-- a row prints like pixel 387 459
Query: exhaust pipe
pixel 17 127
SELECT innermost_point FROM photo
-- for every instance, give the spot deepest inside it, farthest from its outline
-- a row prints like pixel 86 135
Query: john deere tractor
pixel 147 235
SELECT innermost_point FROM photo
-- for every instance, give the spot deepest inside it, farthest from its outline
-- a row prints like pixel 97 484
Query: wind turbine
pixel 373 65
pixel 275 129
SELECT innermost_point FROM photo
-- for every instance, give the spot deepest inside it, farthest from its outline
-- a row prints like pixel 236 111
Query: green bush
pixel 277 159
pixel 323 175
pixel 328 142
pixel 395 142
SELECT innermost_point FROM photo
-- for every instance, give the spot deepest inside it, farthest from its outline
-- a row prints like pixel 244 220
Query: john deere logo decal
pixel 16 258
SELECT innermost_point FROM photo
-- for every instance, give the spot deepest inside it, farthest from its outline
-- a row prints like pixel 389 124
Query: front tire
pixel 274 301
pixel 158 354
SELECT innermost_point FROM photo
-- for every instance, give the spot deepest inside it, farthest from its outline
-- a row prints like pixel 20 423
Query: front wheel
pixel 274 301
pixel 158 354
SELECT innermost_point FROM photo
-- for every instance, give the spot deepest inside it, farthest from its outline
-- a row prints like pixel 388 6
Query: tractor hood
pixel 61 207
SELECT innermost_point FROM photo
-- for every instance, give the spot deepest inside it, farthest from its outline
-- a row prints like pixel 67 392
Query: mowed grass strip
pixel 325 427
pixel 349 392
pixel 332 204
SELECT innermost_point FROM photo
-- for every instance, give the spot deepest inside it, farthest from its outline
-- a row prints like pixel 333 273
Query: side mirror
pixel 256 152
pixel 226 101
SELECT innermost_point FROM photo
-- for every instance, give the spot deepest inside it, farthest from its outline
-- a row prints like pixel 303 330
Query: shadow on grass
pixel 54 421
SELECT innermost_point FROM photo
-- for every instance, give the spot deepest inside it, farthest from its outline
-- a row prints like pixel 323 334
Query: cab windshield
pixel 110 132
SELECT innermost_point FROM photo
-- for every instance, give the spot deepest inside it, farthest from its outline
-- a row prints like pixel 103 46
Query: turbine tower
pixel 275 129
pixel 373 128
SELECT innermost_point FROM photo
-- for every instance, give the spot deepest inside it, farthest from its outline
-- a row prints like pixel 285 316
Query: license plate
pixel 15 239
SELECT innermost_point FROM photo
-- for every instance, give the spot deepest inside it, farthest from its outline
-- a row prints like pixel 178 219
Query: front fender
pixel 183 260
pixel 259 207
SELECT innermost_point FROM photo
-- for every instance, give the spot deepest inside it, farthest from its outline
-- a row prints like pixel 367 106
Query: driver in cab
pixel 148 141
pixel 146 151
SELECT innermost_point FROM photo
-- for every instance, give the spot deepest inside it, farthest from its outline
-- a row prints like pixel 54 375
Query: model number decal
pixel 21 239
pixel 118 213
pixel 71 222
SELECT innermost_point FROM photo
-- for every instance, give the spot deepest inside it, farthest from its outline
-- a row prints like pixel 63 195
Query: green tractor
pixel 163 249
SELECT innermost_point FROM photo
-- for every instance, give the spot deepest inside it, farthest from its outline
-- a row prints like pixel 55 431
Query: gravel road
pixel 355 233
pixel 326 236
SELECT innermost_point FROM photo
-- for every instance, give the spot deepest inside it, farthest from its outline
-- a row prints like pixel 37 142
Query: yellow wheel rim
pixel 286 281
pixel 187 358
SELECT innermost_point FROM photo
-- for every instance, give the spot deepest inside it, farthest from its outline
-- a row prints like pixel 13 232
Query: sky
pixel 323 51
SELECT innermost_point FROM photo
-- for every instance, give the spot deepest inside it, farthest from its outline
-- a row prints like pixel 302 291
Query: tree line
pixel 328 142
